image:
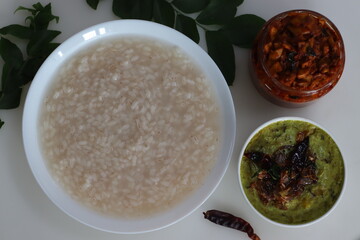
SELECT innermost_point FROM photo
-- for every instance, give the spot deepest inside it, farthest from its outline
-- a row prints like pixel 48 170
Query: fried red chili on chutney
pixel 284 175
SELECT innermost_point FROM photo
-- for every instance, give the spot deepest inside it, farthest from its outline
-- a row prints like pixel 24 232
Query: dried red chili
pixel 231 221
pixel 284 176
pixel 298 57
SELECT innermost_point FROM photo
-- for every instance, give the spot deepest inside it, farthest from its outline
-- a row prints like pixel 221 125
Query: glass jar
pixel 297 57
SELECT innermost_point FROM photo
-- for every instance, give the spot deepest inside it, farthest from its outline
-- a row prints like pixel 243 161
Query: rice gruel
pixel 130 126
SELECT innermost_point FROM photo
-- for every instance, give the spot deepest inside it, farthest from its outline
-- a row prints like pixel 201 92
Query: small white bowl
pixel 262 215
pixel 42 82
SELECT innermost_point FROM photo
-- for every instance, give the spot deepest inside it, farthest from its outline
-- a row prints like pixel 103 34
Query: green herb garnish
pixel 20 68
pixel 1 123
pixel 216 17
pixel 93 3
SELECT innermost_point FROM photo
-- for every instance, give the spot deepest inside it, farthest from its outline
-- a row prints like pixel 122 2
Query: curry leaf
pixel 31 65
pixel 190 6
pixel 164 13
pixel 275 172
pixel 31 10
pixel 38 7
pixel 41 16
pixel 10 53
pixel 10 100
pixel 44 17
pixel 134 9
pixel 187 26
pixel 29 69
pixel 218 12
pixel 1 123
pixel 243 29
pixel 221 51
pixel 239 2
pixel 16 71
pixel 49 48
pixel 93 3
pixel 17 31
pixel 40 39
pixel 11 78
pixel 5 73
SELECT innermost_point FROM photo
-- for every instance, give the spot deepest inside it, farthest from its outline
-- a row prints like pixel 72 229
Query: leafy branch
pixel 18 70
pixel 216 17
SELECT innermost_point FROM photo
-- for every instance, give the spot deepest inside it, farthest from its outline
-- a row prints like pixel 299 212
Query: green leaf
pixel 221 51
pixel 7 68
pixel 242 30
pixel 38 6
pixel 1 123
pixel 39 41
pixel 187 26
pixel 164 13
pixel 31 10
pixel 275 172
pixel 134 9
pixel 49 48
pixel 30 19
pixel 190 6
pixel 239 2
pixel 31 65
pixel 218 12
pixel 10 53
pixel 17 72
pixel 29 70
pixel 93 3
pixel 11 78
pixel 41 16
pixel 10 100
pixel 16 30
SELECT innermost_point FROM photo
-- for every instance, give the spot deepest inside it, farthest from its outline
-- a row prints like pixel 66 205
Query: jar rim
pixel 334 78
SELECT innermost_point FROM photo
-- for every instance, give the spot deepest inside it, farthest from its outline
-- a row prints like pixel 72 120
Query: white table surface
pixel 26 212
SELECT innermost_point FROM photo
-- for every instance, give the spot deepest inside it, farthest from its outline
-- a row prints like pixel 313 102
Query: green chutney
pixel 318 198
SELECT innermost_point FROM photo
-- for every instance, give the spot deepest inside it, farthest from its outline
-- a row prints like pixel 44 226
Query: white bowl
pixel 43 80
pixel 283 224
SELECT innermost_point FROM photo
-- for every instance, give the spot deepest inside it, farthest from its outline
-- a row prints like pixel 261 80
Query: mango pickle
pixel 297 57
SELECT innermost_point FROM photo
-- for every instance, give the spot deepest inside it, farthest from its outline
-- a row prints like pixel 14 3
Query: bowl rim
pixel 279 119
pixel 41 83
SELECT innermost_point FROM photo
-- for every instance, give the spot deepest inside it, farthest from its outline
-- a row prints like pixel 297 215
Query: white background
pixel 26 213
